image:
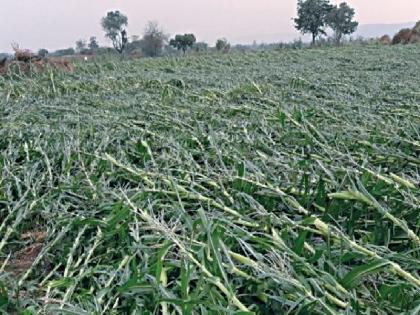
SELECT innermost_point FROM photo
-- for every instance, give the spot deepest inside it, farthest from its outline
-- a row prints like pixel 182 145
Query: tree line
pixel 154 38
pixel 313 17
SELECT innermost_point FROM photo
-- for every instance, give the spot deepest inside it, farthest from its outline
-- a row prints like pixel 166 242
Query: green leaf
pixel 300 242
pixel 282 118
pixel 355 276
pixel 4 297
pixel 351 195
pixel 241 169
pixel 161 257
pixel 119 213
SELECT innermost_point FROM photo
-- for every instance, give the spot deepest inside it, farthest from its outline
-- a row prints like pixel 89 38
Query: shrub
pixel 402 37
pixel 408 36
pixel 385 40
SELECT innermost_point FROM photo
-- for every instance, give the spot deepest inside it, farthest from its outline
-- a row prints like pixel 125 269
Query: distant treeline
pixel 314 17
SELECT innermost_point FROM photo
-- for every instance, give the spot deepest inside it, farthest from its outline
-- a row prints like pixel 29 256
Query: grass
pixel 262 183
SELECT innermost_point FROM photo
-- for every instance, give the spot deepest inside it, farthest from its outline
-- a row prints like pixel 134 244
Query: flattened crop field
pixel 258 183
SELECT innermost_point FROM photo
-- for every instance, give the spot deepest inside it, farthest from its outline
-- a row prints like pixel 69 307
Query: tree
pixel 135 38
pixel 154 39
pixel 183 42
pixel 340 19
pixel 80 45
pixel 114 25
pixel 93 43
pixel 312 16
pixel 200 47
pixel 42 53
pixel 64 52
pixel 222 45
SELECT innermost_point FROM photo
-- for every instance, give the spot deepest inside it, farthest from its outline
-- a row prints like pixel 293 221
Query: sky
pixel 55 24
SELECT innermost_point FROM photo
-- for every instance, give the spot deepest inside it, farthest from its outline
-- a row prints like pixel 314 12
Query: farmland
pixel 258 183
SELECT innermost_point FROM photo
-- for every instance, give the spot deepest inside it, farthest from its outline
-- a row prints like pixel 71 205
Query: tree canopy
pixel 80 45
pixel 340 19
pixel 312 17
pixel 183 42
pixel 93 43
pixel 43 52
pixel 154 39
pixel 114 25
pixel 222 44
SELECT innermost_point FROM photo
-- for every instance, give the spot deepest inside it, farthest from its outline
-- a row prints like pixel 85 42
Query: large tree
pixel 154 39
pixel 340 19
pixel 183 42
pixel 222 44
pixel 312 17
pixel 114 25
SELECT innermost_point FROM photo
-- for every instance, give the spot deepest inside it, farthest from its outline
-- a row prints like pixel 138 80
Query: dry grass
pixel 25 62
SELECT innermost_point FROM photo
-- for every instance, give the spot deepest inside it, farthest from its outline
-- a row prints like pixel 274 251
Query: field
pixel 262 183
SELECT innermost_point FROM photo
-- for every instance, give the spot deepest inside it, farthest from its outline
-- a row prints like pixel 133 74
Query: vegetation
pixel 312 17
pixel 340 19
pixel 154 40
pixel 43 52
pixel 407 35
pixel 114 25
pixel 222 44
pixel 223 184
pixel 315 15
pixel 64 52
pixel 201 47
pixel 81 46
pixel 93 43
pixel 183 42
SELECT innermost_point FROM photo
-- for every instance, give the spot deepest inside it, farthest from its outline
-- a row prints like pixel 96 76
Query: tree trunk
pixel 338 37
pixel 313 39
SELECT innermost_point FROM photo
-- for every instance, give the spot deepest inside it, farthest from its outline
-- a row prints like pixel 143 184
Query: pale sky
pixel 57 24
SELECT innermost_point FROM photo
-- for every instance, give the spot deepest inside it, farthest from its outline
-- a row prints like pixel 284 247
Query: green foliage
pixel 220 184
pixel 154 39
pixel 183 42
pixel 200 47
pixel 80 46
pixel 340 19
pixel 43 52
pixel 93 43
pixel 312 17
pixel 114 25
pixel 223 45
pixel 64 52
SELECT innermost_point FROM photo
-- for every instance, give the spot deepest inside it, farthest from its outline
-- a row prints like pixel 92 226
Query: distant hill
pixel 377 30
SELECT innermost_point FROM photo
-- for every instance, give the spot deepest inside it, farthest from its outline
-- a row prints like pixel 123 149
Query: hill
pixel 258 183
pixel 378 30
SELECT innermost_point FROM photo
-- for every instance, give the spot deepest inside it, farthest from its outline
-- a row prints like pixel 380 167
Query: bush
pixel 407 36
pixel 43 53
pixel 402 37
pixel 385 40
pixel 417 27
pixel 223 45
